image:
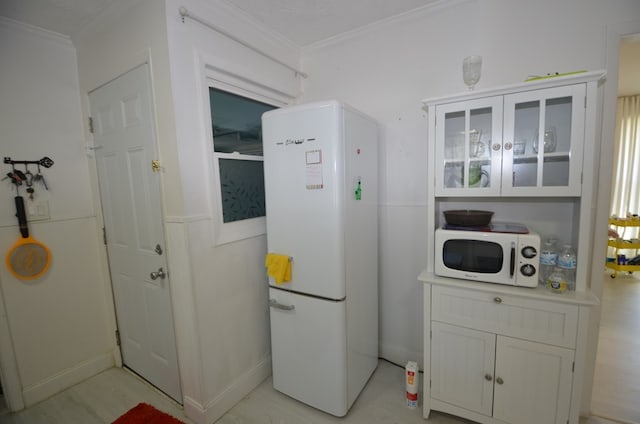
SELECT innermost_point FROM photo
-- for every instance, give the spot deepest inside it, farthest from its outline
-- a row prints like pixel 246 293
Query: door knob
pixel 158 274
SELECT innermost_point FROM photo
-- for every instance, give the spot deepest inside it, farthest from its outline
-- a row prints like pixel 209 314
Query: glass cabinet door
pixel 468 147
pixel 542 141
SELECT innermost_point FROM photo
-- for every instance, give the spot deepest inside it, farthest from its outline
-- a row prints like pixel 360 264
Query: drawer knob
pixel 488 377
pixel 499 380
pixel 497 299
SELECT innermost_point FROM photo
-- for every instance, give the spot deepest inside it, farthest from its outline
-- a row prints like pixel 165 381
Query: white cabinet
pixel 486 150
pixel 526 143
pixel 496 354
pixel 512 380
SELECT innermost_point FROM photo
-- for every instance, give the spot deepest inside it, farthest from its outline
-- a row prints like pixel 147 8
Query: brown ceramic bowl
pixel 468 218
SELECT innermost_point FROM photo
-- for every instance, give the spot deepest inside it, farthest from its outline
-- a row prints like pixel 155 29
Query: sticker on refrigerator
pixel 314 170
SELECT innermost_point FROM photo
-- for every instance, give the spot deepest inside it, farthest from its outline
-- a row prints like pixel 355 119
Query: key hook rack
pixel 18 177
pixel 45 161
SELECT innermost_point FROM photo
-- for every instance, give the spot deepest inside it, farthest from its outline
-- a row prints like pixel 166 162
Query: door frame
pixel 9 378
pixel 614 34
pixel 105 263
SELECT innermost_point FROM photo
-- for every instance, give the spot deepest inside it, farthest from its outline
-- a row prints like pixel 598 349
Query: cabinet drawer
pixel 529 319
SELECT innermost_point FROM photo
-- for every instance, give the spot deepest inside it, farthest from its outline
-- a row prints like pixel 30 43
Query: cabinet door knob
pixel 496 147
pixel 499 380
pixel 497 299
pixel 508 145
pixel 488 377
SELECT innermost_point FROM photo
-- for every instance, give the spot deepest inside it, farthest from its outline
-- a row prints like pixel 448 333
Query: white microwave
pixel 492 257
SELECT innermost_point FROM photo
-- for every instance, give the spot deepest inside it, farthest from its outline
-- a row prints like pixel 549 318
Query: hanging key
pixel 40 178
pixel 29 182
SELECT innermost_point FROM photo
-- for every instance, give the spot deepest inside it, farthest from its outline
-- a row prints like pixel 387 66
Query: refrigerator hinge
pixel 573 367
pixel 104 235
pixel 118 337
pixel 91 125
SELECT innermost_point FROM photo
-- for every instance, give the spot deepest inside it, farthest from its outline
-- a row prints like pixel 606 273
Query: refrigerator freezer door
pixel 304 181
pixel 309 352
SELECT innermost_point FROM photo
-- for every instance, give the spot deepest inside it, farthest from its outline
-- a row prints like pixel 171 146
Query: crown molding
pixel 376 26
pixel 35 30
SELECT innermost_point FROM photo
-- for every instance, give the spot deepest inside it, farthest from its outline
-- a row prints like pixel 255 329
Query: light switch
pixel 37 210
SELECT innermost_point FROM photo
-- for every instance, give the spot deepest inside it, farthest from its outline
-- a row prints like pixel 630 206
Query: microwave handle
pixel 512 266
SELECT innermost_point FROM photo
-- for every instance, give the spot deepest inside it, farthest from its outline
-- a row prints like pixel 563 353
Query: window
pixel 237 150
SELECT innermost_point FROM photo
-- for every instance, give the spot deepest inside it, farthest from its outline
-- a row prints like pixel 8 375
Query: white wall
pixel 387 69
pixel 60 325
pixel 228 288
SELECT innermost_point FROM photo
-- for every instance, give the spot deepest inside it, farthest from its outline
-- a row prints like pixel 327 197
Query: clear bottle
pixel 567 262
pixel 548 259
pixel 557 281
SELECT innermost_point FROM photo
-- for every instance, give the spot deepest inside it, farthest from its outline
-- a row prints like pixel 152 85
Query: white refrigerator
pixel 321 183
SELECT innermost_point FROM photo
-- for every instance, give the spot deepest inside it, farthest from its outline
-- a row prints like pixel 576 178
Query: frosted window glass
pixel 242 185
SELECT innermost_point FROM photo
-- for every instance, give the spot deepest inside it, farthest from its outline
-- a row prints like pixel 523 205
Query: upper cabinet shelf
pixel 521 140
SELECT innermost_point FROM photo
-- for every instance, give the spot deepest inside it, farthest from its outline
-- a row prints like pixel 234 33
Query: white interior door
pixel 130 192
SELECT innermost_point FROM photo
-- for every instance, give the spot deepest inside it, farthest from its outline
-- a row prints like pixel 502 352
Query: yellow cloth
pixel 278 267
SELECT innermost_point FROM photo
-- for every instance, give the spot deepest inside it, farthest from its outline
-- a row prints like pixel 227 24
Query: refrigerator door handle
pixel 274 303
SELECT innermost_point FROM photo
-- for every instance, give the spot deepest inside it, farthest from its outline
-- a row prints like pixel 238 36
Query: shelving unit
pixel 553 192
pixel 620 243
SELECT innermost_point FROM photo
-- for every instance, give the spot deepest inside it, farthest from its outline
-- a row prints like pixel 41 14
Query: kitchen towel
pixel 278 267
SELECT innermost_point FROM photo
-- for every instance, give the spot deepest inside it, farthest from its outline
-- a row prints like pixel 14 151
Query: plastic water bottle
pixel 557 281
pixel 548 259
pixel 567 262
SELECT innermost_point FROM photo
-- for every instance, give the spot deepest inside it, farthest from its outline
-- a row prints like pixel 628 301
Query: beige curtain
pixel 625 196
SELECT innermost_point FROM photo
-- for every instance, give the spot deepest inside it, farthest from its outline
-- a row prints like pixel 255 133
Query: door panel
pixel 130 194
pixel 462 363
pixel 535 382
pixel 309 350
pixel 305 196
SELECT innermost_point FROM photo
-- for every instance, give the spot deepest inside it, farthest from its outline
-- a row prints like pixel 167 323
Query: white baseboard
pixel 222 403
pixel 400 356
pixel 67 378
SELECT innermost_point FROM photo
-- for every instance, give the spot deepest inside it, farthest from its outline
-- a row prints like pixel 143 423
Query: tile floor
pixel 616 387
pixel 108 395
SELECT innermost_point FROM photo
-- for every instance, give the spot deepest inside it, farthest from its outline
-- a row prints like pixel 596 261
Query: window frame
pixel 247 228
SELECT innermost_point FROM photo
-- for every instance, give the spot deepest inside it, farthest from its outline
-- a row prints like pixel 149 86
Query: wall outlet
pixel 37 210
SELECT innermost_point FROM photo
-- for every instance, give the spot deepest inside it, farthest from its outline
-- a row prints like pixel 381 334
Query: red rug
pixel 146 414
